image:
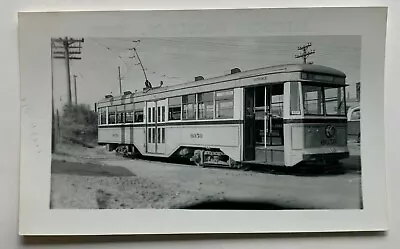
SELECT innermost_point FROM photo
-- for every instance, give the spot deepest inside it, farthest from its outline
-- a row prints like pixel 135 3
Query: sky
pixel 179 60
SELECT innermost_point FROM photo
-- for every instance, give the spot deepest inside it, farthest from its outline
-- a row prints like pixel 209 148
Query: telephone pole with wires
pixel 68 49
pixel 305 53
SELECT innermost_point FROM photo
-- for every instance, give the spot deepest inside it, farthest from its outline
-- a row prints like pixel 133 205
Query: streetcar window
pixel 158 114
pixel 111 114
pixel 313 100
pixel 174 108
pixel 129 113
pixel 277 100
pixel 103 113
pixel 224 104
pixel 334 100
pixel 158 135
pixel 154 135
pixel 149 114
pixel 120 114
pixel 138 112
pixel 163 114
pixel 99 116
pixel 205 105
pixel 260 96
pixel 323 100
pixel 162 135
pixel 189 104
pixel 294 98
pixel 154 114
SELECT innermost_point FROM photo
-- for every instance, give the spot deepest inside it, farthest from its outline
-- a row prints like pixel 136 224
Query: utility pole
pixel 305 52
pixel 66 56
pixel 67 50
pixel 53 123
pixel 76 90
pixel 119 79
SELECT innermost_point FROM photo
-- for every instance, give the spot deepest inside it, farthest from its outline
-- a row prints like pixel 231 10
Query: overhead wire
pixel 173 47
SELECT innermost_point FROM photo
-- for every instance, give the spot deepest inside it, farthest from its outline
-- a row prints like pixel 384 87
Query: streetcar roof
pixel 285 68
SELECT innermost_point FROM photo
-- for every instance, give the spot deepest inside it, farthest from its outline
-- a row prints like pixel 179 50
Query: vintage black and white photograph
pixel 223 123
pixel 202 121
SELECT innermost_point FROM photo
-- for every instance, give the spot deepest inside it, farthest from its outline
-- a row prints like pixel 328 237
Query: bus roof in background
pixel 237 74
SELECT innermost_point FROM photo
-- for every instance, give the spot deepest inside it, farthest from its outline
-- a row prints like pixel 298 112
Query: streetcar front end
pixel 319 128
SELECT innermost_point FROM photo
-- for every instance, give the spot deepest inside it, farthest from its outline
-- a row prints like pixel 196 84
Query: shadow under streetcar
pixel 351 165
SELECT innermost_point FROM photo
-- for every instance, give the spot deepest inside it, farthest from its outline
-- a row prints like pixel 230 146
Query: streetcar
pixel 280 115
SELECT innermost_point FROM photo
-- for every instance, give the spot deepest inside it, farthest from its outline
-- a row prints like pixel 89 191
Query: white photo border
pixel 37 28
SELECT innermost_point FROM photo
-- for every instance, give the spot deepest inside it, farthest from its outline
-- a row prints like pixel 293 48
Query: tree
pixel 79 125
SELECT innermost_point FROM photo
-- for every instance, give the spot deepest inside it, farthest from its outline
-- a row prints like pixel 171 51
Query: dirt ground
pixel 95 178
pixel 82 179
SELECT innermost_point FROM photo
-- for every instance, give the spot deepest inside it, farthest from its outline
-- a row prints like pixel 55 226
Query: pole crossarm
pixel 305 53
pixel 67 48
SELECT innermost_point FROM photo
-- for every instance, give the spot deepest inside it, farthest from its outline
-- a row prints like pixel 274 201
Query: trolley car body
pixel 280 115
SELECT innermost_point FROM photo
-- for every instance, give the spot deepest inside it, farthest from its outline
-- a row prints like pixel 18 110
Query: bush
pixel 78 124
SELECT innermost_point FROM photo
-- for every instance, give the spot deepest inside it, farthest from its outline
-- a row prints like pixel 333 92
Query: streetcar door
pixel 268 107
pixel 151 127
pixel 249 125
pixel 161 118
pixel 274 142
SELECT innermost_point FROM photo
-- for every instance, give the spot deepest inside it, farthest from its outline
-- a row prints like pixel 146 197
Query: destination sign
pixel 323 77
pixel 262 78
pixel 317 77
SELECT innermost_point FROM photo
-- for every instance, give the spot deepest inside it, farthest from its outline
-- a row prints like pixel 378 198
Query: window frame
pixel 120 113
pixel 205 106
pixel 103 114
pixel 138 109
pixel 193 104
pixel 131 111
pixel 174 106
pixel 295 85
pixel 223 100
pixel 323 88
pixel 304 99
pixel 115 115
pixel 343 89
